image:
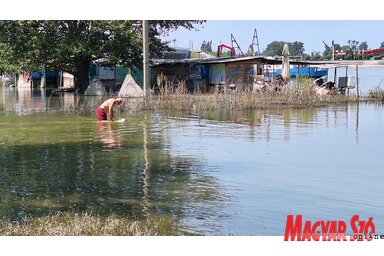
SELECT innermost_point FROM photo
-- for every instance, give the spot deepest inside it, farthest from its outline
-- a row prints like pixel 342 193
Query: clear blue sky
pixel 311 32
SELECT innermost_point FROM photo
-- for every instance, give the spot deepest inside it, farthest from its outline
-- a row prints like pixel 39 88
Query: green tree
pixel 72 45
pixel 337 47
pixel 346 48
pixel 363 46
pixel 307 57
pixel 275 48
pixel 316 55
pixel 296 48
pixel 206 46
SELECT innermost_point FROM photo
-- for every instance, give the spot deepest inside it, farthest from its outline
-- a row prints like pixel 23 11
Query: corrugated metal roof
pixel 215 60
pixel 269 60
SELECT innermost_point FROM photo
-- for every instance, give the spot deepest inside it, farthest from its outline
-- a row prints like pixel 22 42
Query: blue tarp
pixel 49 74
pixel 304 71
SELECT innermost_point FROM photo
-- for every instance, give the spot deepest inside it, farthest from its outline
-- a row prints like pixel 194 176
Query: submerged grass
pixel 300 95
pixel 71 224
pixel 297 96
pixel 376 94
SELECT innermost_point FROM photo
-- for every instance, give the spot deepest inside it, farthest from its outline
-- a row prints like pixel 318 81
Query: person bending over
pixel 106 109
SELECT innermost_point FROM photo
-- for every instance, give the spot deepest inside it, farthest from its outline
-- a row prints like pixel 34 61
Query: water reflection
pixel 268 123
pixel 107 135
pixel 146 174
pixel 25 100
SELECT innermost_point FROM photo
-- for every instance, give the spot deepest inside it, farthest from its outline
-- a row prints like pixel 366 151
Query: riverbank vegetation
pixel 300 95
pixel 66 224
pixel 376 95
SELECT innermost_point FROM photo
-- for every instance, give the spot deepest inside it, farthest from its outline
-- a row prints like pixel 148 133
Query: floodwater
pixel 216 173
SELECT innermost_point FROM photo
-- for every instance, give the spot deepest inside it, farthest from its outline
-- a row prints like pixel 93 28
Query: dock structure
pixel 346 64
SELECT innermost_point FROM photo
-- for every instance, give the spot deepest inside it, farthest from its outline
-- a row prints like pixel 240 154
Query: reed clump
pixel 300 95
pixel 171 97
pixel 376 94
pixel 85 224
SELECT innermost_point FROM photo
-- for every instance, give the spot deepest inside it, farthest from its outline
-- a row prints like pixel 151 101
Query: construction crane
pixel 220 50
pixel 255 41
pixel 332 49
pixel 326 46
pixel 233 40
pixel 232 48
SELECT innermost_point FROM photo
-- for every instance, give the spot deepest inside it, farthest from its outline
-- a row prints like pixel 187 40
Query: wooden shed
pixel 208 75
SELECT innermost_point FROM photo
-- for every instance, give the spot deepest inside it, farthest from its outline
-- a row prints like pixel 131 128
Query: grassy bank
pixel 65 224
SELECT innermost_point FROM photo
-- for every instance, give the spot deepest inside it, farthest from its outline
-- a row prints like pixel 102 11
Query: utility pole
pixel 146 80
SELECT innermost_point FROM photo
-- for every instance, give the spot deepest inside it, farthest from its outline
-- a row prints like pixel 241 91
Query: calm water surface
pixel 217 173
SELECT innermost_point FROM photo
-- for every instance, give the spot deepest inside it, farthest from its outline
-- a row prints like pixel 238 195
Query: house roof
pixel 215 60
pixel 271 60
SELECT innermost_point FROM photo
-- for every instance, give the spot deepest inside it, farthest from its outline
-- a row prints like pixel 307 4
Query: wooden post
pixel 346 80
pixel 335 75
pixel 357 81
pixel 298 70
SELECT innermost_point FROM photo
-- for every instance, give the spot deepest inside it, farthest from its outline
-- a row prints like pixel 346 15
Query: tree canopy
pixel 206 46
pixel 275 48
pixel 71 45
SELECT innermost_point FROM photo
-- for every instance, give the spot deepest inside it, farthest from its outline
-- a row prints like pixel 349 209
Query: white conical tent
pixel 95 88
pixel 130 88
pixel 285 69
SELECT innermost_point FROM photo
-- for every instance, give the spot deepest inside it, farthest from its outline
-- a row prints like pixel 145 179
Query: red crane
pixel 220 50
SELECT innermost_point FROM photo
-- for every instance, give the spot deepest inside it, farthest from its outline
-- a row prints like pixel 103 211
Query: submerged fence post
pixel 357 81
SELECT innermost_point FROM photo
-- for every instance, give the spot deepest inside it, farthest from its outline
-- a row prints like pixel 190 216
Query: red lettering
pixel 354 228
pixel 307 231
pixel 332 231
pixel 316 233
pixel 324 229
pixel 293 229
pixel 341 229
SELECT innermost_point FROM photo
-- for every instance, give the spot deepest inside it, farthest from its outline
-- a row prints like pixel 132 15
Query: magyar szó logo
pixel 329 230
